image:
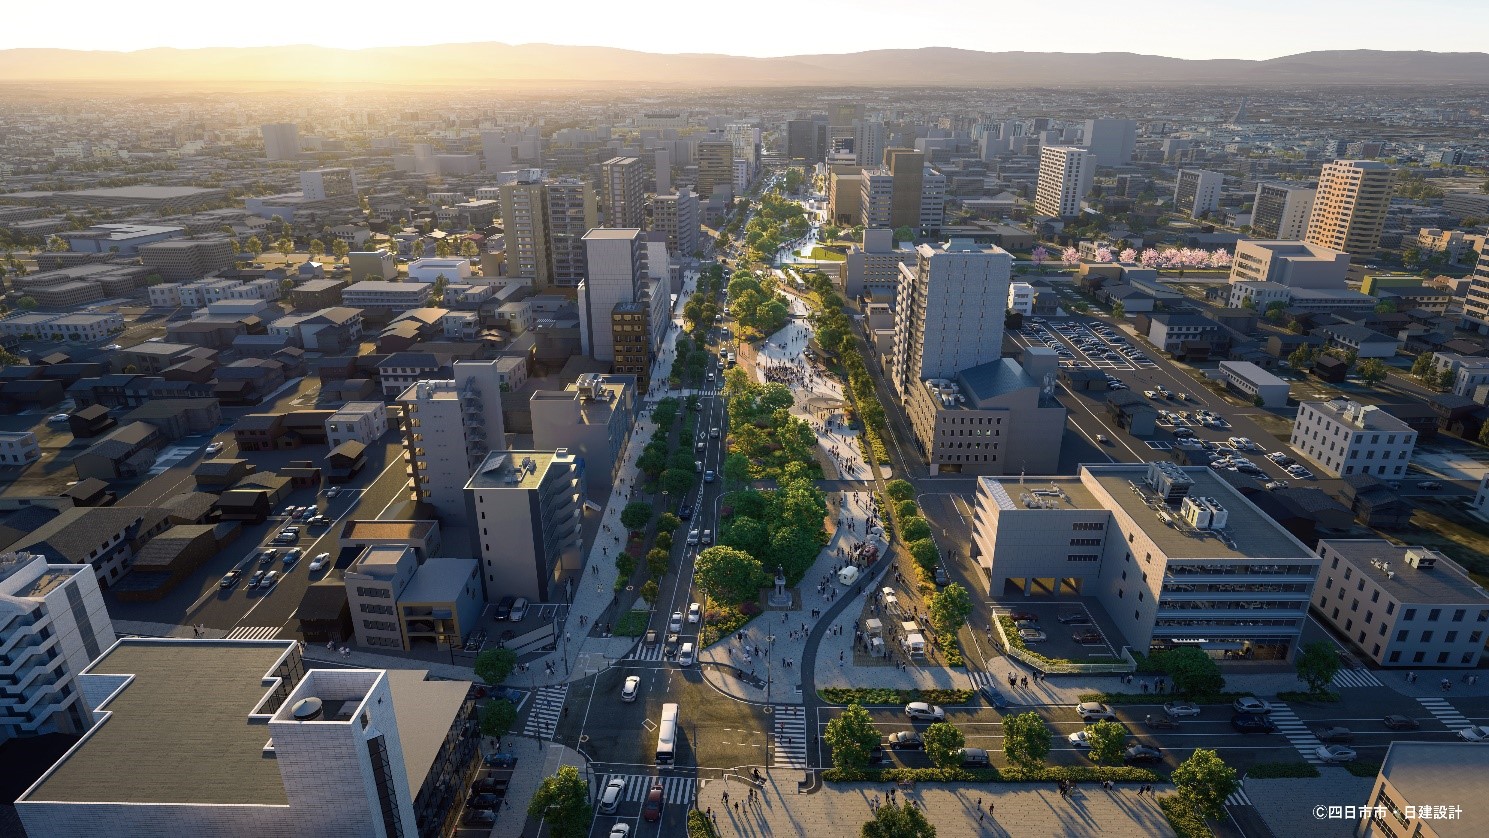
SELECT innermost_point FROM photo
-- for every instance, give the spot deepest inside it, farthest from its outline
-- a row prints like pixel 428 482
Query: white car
pixel 1180 709
pixel 695 612
pixel 1335 753
pixel 58 418
pixel 113 347
pixel 214 448
pixel 1080 739
pixel 631 687
pixel 610 797
pixel 1477 733
pixel 1094 711
pixel 1252 705
pixel 620 830
pixel 320 561
pixel 675 624
pixel 519 609
pixel 927 712
pixel 1033 635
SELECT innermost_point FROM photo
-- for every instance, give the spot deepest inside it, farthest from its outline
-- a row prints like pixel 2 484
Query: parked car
pixel 1251 723
pixel 1079 618
pixel 1398 722
pixel 1335 753
pixel 480 817
pixel 1333 734
pixel 1026 616
pixel 1181 709
pixel 1142 754
pixel 270 579
pixel 214 448
pixel 695 612
pixel 58 418
pixel 974 758
pixel 1030 635
pixel 503 610
pixel 519 609
pixel 1252 705
pixel 267 556
pixel 230 579
pixel 292 555
pixel 905 740
pixel 925 712
pixel 256 578
pixel 1089 638
pixel 1428 484
pixel 1094 711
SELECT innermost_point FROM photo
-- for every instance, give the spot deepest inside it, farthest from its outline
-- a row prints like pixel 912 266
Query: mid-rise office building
pixel 677 215
pixel 449 427
pixel 182 260
pixel 1281 210
pixel 996 418
pixel 380 297
pixel 591 418
pixel 1197 192
pixel 544 226
pixel 1349 208
pixel 949 311
pixel 1176 556
pixel 571 213
pixel 1065 174
pixel 371 264
pixel 328 184
pixel 281 141
pixel 53 623
pixel 844 195
pixel 932 202
pixel 1476 299
pixel 1399 605
pixel 869 140
pixel 1294 264
pixel 1414 772
pixel 525 510
pixel 715 168
pixel 1346 438
pixel 398 601
pixel 874 266
pixel 1112 141
pixel 876 198
pixel 616 266
pixel 907 171
pixel 234 737
pixel 806 140
pixel 625 192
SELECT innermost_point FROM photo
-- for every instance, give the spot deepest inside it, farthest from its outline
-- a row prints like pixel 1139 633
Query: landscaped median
pixel 1186 822
pixel 884 695
pixel 1159 698
pixel 1047 774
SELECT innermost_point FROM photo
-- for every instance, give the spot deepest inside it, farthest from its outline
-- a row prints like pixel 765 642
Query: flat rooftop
pixel 176 729
pixel 496 471
pixel 438 580
pixel 1450 772
pixel 424 710
pixel 1443 583
pixel 369 530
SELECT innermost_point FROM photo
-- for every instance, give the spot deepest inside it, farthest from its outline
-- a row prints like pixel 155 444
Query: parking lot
pixel 1073 628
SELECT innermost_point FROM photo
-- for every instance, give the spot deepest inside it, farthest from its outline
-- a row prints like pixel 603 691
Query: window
pixel 1426 637
pixel 1348 572
pixel 1418 657
pixel 1442 657
pixel 1476 637
pixel 1329 583
pixel 1458 615
pixel 1409 614
pixel 1451 637
pixel 1433 615
pixel 1390 608
pixel 1375 596
pixel 1402 635
pixel 1395 657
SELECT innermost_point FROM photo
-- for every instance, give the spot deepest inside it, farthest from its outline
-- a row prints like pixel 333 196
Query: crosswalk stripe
pixel 548 704
pixel 646 652
pixel 253 633
pixel 790 737
pixel 1356 678
pixel 1238 798
pixel 1297 733
pixel 1445 712
pixel 677 790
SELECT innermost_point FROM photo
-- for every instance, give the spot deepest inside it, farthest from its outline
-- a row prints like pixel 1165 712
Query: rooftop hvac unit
pixel 1218 514
pixel 1195 513
pixel 1169 481
pixel 1421 558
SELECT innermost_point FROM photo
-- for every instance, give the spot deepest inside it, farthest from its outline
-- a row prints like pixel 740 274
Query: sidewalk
pixel 1021 809
pixel 536 762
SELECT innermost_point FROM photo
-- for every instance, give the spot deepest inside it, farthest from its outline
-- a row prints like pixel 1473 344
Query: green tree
pixel 728 575
pixel 653 460
pixel 892 820
pixel 443 249
pixel 650 592
pixel 1371 370
pixel 494 665
pixel 563 801
pixel 1422 366
pixel 1193 672
pixel 943 741
pixel 1108 740
pixel 497 717
pixel 254 245
pixel 677 482
pixel 1204 781
pixel 316 248
pixel 1317 665
pixel 439 286
pixel 914 529
pixel 27 302
pixel 1301 358
pixel 636 515
pixel 737 469
pixel 339 250
pixel 1026 740
pixel 1484 434
pixel 907 509
pixel 903 234
pixel 1119 309
pixel 1385 307
pixel 746 534
pixel 899 490
pixel 851 736
pixel 925 553
pixel 1444 379
pixel 950 607
pixel 668 523
pixel 657 561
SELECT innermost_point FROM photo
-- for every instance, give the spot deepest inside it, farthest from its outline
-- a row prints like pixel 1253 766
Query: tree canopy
pixel 563 801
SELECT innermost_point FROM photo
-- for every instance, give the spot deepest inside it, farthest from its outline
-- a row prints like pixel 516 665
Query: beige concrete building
pixel 1401 606
pixel 624 179
pixel 1349 209
pixel 845 195
pixel 1476 300
pixel 364 422
pixel 1065 174
pixel 399 602
pixel 525 511
pixel 592 418
pixel 995 418
pixel 1345 438
pixel 1427 790
pixel 1294 264
pixel 907 172
pixel 949 311
pixel 180 260
pixel 1175 555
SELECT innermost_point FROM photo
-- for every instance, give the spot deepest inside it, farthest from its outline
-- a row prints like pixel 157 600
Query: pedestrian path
pixel 1238 798
pixel 790 736
pixel 1345 678
pixel 1445 712
pixel 253 633
pixel 548 704
pixel 677 790
pixel 1289 725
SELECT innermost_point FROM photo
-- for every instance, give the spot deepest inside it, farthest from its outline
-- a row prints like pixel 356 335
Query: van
pixel 685 655
pixel 698 465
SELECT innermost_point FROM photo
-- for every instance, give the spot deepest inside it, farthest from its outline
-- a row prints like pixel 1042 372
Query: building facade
pixel 449 427
pixel 625 192
pixel 365 422
pixel 949 311
pixel 677 215
pixel 1280 210
pixel 1065 174
pixel 526 513
pixel 1349 208
pixel 1197 192
pixel 616 265
pixel 1346 438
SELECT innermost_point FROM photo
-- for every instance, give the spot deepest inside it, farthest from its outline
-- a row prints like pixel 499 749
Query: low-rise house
pixel 126 453
pixel 365 422
pixel 177 418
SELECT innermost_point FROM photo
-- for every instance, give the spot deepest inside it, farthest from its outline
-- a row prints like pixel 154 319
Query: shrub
pixel 914 529
pixel 1047 774
pixel 906 509
pixel 1149 698
pixel 631 624
pixel 1363 769
pixel 900 489
pixel 885 695
pixel 1326 697
pixel 1185 822
pixel 946 641
pixel 699 826
pixel 1283 771
pixel 750 609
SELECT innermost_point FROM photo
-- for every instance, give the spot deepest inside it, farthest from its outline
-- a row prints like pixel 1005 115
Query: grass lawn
pixel 824 255
pixel 632 624
pixel 1440 525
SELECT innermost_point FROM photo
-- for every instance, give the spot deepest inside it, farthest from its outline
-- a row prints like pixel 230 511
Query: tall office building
pixel 949 311
pixel 53 623
pixel 869 139
pixel 1065 174
pixel 806 140
pixel 526 514
pixel 1281 210
pixel 571 213
pixel 932 201
pixel 1476 302
pixel 615 266
pixel 907 168
pixel 524 208
pixel 281 141
pixel 715 167
pixel 876 197
pixel 845 114
pixel 1111 140
pixel 448 427
pixel 497 150
pixel 1197 191
pixel 844 195
pixel 677 216
pixel 625 191
pixel 1349 209
pixel 662 171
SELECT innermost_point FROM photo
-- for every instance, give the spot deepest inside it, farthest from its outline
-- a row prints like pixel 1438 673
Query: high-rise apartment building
pixel 625 191
pixel 545 222
pixel 806 140
pixel 907 168
pixel 1111 140
pixel 1476 301
pixel 715 167
pixel 1281 210
pixel 53 623
pixel 869 140
pixel 616 264
pixel 1349 208
pixel 1197 192
pixel 876 197
pixel 526 516
pixel 328 184
pixel 571 214
pixel 448 427
pixel 932 201
pixel 677 215
pixel 661 169
pixel 949 311
pixel 281 141
pixel 1065 174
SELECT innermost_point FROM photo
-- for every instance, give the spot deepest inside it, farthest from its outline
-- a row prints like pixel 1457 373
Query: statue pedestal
pixel 780 597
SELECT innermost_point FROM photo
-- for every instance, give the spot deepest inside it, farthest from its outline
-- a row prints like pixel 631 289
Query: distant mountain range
pixel 527 63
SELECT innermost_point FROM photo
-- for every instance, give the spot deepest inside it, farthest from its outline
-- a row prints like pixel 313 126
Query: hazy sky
pixel 1179 28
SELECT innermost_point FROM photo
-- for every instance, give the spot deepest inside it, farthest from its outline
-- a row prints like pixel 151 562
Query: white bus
pixel 667 736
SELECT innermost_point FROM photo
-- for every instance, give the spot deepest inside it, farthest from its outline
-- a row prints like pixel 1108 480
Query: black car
pixel 490 785
pixel 1141 753
pixel 483 801
pixel 1086 637
pixel 686 513
pixel 1250 723
pixel 504 608
pixel 974 758
pixel 1395 722
pixel 993 696
pixel 479 817
pixel 878 755
pixel 1080 619
pixel 905 740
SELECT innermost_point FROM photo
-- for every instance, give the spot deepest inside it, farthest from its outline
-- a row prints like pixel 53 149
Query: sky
pixel 1251 29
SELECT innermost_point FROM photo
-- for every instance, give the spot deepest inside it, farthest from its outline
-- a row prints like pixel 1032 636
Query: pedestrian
pixel 726 796
pixel 1145 688
pixel 990 807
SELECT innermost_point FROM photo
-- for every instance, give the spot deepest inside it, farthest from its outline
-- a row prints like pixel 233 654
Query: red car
pixel 652 810
pixel 1024 615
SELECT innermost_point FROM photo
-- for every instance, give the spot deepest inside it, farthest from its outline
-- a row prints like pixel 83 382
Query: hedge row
pixel 1159 698
pixel 1047 774
pixel 884 695
pixel 1283 771
pixel 1186 822
pixel 699 826
pixel 1326 697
